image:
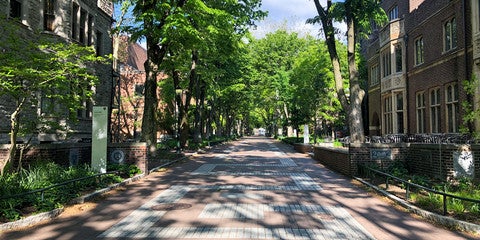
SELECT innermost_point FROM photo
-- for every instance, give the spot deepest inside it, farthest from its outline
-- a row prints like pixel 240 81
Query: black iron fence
pixel 454 138
pixel 42 191
pixel 408 185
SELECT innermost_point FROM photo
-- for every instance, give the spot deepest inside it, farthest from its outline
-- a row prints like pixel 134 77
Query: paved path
pixel 254 188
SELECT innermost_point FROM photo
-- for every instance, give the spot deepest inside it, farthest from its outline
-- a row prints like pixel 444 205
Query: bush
pixel 46 174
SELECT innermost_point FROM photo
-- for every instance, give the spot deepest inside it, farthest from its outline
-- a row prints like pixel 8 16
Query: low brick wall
pixel 336 159
pixel 70 154
pixel 437 160
pixel 302 147
pixel 433 160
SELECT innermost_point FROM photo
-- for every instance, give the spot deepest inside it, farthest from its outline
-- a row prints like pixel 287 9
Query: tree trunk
pixel 14 127
pixel 357 94
pixel 352 106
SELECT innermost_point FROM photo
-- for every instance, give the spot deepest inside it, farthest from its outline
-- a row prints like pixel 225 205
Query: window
pixel 398 58
pixel 419 51
pixel 99 44
pixel 399 112
pixel 374 75
pixel 139 89
pixel 387 115
pixel 46 104
pixel 85 111
pixel 435 110
pixel 451 102
pixel 83 27
pixel 75 10
pixel 49 15
pixel 90 30
pixel 393 13
pixel 420 109
pixel 386 63
pixel 450 34
pixel 15 9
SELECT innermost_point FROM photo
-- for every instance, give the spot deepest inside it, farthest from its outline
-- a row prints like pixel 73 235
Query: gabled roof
pixel 136 56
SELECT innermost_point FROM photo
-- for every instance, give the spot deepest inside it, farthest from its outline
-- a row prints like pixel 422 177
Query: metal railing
pixel 43 190
pixel 409 184
pixel 437 138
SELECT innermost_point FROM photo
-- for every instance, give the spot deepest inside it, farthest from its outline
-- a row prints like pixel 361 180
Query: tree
pixel 313 88
pixel 357 15
pixel 273 59
pixel 182 28
pixel 43 72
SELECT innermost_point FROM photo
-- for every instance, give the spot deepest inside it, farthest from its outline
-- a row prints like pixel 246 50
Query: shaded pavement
pixel 254 188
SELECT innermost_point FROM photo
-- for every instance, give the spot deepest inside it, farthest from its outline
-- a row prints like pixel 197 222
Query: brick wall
pixel 432 160
pixel 440 67
pixel 334 158
pixel 80 153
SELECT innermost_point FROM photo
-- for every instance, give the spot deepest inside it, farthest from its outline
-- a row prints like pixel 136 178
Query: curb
pixel 448 222
pixel 34 219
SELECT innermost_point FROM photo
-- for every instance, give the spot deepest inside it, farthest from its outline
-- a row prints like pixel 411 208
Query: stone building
pixel 85 22
pixel 417 64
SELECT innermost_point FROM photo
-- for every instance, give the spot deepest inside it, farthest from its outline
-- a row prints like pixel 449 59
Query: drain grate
pixel 171 206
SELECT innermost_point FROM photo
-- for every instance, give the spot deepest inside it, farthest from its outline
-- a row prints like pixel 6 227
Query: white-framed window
pixel 451 103
pixel 420 106
pixel 419 51
pixel 49 15
pixel 393 13
pixel 386 63
pixel 450 34
pixel 398 58
pixel 387 115
pixel 374 75
pixel 399 124
pixel 435 115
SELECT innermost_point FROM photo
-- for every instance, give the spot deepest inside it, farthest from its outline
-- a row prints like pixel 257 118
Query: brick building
pixel 129 92
pixel 85 22
pixel 417 64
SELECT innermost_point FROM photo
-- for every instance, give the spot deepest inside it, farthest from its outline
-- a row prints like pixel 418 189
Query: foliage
pixel 125 170
pixel 357 15
pixel 42 71
pixel 42 175
pixel 200 38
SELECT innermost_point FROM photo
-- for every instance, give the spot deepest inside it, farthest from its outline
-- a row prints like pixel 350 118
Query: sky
pixel 290 15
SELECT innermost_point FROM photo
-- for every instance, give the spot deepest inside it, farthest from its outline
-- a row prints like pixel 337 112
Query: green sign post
pixel 99 139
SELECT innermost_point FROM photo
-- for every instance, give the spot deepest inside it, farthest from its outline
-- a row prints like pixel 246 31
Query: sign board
pixel 463 164
pixel 99 139
pixel 380 154
pixel 306 134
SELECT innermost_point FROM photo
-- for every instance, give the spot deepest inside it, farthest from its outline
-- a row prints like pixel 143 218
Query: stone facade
pixel 74 21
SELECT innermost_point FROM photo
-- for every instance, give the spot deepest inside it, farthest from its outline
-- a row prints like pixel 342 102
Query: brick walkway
pixel 254 188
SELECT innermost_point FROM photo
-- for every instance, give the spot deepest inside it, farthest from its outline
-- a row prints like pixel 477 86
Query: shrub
pixel 46 174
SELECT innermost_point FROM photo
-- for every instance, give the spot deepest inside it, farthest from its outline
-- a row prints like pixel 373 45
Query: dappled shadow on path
pixel 234 186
